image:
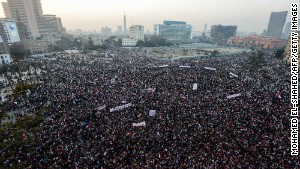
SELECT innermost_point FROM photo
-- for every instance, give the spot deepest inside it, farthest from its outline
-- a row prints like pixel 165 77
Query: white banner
pixel 164 66
pixel 210 68
pixel 233 96
pixel 195 86
pixel 101 107
pixel 141 124
pixel 120 107
pixel 149 90
pixel 234 75
pixel 152 113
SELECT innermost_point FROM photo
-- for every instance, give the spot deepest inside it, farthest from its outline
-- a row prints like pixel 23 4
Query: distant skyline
pixel 89 15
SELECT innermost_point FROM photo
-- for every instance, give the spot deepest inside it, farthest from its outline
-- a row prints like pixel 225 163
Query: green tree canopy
pixel 18 51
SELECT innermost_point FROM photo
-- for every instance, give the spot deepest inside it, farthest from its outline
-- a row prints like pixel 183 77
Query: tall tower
pixel 205 28
pixel 276 24
pixel 30 13
pixel 125 30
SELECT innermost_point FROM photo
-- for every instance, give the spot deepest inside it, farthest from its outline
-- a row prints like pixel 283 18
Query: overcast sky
pixel 248 15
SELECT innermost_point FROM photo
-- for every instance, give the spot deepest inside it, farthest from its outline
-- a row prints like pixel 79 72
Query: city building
pixel 30 13
pixel 256 42
pixel 205 28
pixel 276 24
pixel 119 30
pixel 97 40
pixel 129 42
pixel 5 57
pixel 10 30
pixel 106 31
pixel 175 31
pixel 220 33
pixel 36 46
pixel 50 26
pixel 136 33
pixel 287 31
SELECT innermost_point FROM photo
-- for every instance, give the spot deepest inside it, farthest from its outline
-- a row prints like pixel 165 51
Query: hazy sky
pixel 248 15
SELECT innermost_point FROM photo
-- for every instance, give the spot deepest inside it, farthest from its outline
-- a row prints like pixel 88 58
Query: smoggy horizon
pixel 89 15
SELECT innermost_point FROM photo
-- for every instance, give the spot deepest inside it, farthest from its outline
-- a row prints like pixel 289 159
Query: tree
pixel 214 53
pixel 17 134
pixel 78 43
pixel 153 41
pixel 18 51
pixel 21 89
pixel 89 45
pixel 279 54
pixel 112 40
pixel 257 59
pixel 140 43
pixel 158 40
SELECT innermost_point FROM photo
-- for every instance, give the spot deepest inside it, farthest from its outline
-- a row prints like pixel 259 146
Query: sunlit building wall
pixel 174 31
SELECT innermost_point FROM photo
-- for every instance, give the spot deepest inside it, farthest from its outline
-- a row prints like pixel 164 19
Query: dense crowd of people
pixel 191 128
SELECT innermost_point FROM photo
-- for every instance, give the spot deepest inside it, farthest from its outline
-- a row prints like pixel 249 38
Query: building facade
pixel 220 33
pixel 256 42
pixel 106 31
pixel 10 30
pixel 128 42
pixel 119 30
pixel 276 24
pixel 287 31
pixel 136 33
pixel 30 13
pixel 36 46
pixel 5 59
pixel 176 31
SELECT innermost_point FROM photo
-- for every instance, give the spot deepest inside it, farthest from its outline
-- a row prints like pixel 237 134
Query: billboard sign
pixel 12 31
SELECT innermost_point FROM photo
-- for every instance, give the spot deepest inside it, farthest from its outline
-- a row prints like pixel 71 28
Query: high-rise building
pixel 276 24
pixel 287 31
pixel 205 28
pixel 23 30
pixel 220 33
pixel 106 31
pixel 119 29
pixel 30 13
pixel 4 48
pixel 136 33
pixel 174 31
pixel 10 31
